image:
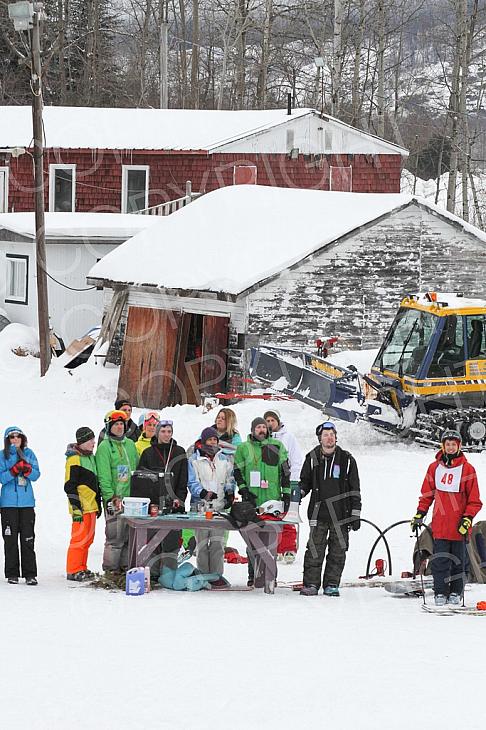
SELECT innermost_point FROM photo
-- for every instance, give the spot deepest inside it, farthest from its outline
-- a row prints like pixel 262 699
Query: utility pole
pixel 164 34
pixel 27 16
pixel 38 154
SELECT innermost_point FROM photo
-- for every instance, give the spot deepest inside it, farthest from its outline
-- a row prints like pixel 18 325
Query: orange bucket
pixel 209 515
pixel 481 605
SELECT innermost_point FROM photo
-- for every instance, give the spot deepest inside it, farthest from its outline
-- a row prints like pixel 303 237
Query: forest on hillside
pixel 412 71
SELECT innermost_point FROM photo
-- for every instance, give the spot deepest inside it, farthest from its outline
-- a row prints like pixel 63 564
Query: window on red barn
pixel 135 188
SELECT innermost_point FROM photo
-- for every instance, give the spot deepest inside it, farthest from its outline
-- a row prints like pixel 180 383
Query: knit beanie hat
pixel 122 402
pixel 83 434
pixel 273 414
pixel 257 422
pixel 208 433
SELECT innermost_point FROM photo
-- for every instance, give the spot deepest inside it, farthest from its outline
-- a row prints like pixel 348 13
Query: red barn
pixel 126 160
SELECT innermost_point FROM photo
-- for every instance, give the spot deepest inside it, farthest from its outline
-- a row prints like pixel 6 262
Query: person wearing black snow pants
pixel 330 475
pixel 18 469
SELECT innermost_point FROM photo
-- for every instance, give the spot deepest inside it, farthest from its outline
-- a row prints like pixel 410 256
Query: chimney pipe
pixel 289 104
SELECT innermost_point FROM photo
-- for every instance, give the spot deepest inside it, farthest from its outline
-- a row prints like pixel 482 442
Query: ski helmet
pixel 326 426
pixel 452 434
pixel 271 507
pixel 114 416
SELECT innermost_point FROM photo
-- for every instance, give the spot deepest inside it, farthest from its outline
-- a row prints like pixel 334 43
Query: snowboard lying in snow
pixel 408 586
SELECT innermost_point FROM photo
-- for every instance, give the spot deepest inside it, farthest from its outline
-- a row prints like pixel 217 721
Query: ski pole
pixel 419 564
pixel 464 548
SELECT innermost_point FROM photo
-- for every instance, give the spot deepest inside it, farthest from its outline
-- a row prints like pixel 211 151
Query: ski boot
pixel 309 591
pixel 331 591
pixel 454 599
pixel 289 557
pixel 440 599
pixel 31 581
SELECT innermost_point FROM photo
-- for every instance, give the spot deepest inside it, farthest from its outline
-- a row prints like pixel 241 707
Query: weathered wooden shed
pixel 248 265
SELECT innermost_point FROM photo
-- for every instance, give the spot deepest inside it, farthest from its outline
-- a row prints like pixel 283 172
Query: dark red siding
pixel 99 174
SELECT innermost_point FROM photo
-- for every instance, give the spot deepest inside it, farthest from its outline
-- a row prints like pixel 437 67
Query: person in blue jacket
pixel 18 469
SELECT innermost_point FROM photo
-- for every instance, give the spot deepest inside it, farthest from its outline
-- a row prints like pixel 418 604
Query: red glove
pixel 17 469
pixel 27 469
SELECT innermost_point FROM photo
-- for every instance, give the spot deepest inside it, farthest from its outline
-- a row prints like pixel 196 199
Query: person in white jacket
pixel 211 482
pixel 287 547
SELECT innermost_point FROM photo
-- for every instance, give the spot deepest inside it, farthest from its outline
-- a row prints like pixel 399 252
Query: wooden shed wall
pixel 354 287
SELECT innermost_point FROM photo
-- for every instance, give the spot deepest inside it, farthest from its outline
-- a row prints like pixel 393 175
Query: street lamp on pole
pixel 27 16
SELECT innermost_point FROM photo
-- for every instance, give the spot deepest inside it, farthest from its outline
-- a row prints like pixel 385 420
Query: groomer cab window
pixel 448 359
pixel 407 341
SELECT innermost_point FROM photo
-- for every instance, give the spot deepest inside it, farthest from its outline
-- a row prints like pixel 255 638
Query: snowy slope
pixel 76 658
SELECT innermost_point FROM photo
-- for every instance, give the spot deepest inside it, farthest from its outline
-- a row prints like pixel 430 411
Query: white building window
pixel 135 188
pixel 62 188
pixel 3 189
pixel 17 290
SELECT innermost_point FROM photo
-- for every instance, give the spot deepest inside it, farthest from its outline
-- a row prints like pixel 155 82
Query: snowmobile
pixel 429 374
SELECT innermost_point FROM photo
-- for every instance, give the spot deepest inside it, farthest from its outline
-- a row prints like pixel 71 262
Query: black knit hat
pixel 258 422
pixel 83 434
pixel 122 402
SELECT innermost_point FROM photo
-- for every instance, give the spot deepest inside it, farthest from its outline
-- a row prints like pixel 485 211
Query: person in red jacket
pixel 452 485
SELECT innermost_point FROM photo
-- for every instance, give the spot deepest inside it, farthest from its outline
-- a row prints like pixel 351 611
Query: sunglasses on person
pixel 166 423
pixel 15 435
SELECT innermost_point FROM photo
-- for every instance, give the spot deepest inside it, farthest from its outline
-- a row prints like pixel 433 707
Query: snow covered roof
pixel 237 236
pixel 153 129
pixel 119 226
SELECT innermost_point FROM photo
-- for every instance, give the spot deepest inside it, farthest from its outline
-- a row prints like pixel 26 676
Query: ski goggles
pixel 326 426
pixel 151 417
pixel 166 422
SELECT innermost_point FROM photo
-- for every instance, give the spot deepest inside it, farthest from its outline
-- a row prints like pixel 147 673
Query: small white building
pixel 74 243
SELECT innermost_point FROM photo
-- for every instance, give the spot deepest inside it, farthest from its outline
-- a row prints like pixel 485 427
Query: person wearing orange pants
pixel 84 496
pixel 82 536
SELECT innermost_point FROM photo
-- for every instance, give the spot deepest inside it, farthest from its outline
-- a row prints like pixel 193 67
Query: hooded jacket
pixel 268 461
pixel 115 462
pixel 14 494
pixel 334 486
pixel 213 475
pixel 81 481
pixel 172 460
pixel 455 493
pixel 296 457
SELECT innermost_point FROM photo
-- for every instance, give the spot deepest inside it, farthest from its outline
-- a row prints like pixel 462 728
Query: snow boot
pixel 289 557
pixel 13 581
pixel 440 599
pixel 454 599
pixel 331 591
pixel 31 581
pixel 309 591
pixel 250 582
pixel 79 577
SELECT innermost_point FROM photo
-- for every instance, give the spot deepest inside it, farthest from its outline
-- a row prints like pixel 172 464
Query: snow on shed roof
pixel 150 129
pixel 79 225
pixel 235 237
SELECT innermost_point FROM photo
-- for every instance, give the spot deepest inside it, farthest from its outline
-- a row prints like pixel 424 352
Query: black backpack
pixel 241 514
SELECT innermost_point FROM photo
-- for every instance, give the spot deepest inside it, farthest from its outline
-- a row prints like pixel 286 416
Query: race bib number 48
pixel 448 480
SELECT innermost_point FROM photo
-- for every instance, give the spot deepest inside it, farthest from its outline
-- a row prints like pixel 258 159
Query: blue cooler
pixel 135 582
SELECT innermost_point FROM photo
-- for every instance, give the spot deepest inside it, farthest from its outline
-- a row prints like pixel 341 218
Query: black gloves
pixel 229 498
pixel 207 496
pixel 178 507
pixel 248 496
pixel 355 523
pixel 286 502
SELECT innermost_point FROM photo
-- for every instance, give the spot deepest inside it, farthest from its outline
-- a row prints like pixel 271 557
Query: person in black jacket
pixel 133 431
pixel 166 457
pixel 330 475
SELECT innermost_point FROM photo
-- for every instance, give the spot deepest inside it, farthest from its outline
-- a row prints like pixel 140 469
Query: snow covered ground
pixel 77 658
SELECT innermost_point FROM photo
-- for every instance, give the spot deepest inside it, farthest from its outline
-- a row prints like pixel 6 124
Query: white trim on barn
pixel 4 172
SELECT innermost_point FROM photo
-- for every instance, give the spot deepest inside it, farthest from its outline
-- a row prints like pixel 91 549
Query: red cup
pixel 154 510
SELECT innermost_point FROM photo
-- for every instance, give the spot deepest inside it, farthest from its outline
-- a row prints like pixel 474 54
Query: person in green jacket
pixel 116 460
pixel 262 471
